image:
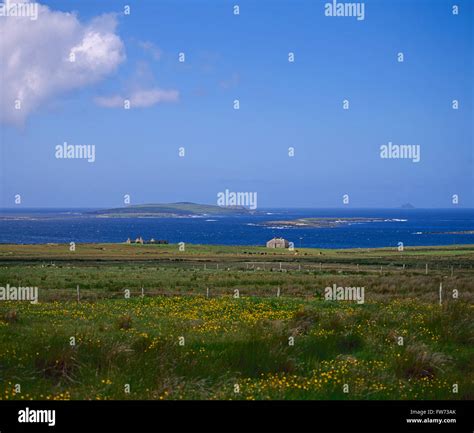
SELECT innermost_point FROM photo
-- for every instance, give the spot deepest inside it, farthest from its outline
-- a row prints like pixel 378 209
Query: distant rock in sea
pixel 407 206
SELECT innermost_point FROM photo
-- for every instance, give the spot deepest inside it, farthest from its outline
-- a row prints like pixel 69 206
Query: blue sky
pixel 282 104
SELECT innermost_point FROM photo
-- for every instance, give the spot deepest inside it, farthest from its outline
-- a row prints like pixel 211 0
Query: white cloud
pixel 35 58
pixel 141 90
pixel 139 98
pixel 233 81
pixel 150 48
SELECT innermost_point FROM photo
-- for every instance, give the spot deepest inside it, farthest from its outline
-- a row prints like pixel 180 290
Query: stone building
pixel 278 243
pixel 141 241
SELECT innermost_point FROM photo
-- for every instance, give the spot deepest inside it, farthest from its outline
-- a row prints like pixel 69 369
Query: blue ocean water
pixel 412 227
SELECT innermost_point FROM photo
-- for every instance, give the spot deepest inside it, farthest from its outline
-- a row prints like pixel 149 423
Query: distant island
pixel 407 206
pixel 323 222
pixel 462 232
pixel 170 210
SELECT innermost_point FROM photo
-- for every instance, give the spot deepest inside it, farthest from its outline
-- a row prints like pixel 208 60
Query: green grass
pixel 229 341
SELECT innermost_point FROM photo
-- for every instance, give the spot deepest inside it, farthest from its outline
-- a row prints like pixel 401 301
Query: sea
pixel 412 227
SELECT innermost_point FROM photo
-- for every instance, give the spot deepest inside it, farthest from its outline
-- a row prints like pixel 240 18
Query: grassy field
pixel 220 322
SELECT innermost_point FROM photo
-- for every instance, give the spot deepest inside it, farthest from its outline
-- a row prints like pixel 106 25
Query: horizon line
pixel 228 207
